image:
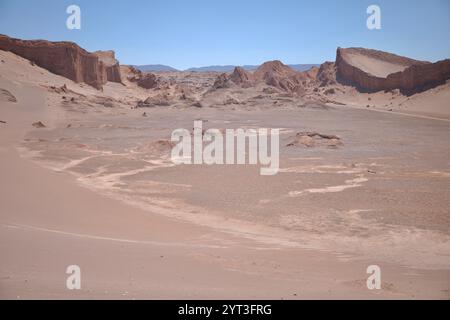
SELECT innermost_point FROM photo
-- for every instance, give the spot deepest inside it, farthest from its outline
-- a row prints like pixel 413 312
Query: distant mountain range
pixel 155 67
pixel 226 68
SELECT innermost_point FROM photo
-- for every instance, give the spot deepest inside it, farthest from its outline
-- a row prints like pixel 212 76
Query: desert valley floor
pixel 92 184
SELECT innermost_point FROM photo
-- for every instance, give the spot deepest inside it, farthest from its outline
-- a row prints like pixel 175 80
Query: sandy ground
pixel 95 189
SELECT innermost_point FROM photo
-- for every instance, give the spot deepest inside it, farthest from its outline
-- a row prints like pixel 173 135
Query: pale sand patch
pixel 349 184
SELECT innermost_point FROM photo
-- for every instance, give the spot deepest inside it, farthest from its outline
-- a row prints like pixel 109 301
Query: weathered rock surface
pixel 144 80
pixel 222 82
pixel 148 81
pixel 63 58
pixel 278 75
pixel 372 70
pixel 312 139
pixel 38 125
pixel 240 76
pixel 273 73
pixel 327 74
pixel 158 100
pixel 111 67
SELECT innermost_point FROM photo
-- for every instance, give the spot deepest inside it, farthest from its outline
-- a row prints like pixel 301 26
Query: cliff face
pixel 372 71
pixel 63 58
pixel 111 67
pixel 421 77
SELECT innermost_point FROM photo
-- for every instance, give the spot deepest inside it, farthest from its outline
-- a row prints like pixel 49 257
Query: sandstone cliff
pixel 111 67
pixel 63 58
pixel 372 70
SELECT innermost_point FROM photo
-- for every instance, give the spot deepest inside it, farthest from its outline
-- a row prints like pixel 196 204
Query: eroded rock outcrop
pixel 162 99
pixel 240 76
pixel 327 74
pixel 372 70
pixel 312 139
pixel 273 73
pixel 222 81
pixel 63 58
pixel 148 81
pixel 111 67
pixel 144 80
pixel 281 76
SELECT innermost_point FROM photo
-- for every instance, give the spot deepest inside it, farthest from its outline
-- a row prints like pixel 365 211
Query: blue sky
pixel 189 33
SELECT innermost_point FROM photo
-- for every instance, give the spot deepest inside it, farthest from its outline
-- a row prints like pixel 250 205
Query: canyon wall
pixel 65 59
pixel 362 68
pixel 111 67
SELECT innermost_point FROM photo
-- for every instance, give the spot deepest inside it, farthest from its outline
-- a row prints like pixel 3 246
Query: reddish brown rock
pixel 273 73
pixel 240 76
pixel 144 80
pixel 221 82
pixel 278 75
pixel 111 67
pixel 62 58
pixel 372 70
pixel 148 81
pixel 158 100
pixel 327 74
pixel 38 125
pixel 420 77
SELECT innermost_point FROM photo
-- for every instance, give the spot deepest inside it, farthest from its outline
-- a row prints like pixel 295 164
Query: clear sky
pixel 191 33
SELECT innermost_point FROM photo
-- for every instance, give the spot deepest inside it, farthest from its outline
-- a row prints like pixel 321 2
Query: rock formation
pixel 372 70
pixel 327 74
pixel 63 58
pixel 111 67
pixel 38 125
pixel 281 76
pixel 222 82
pixel 147 81
pixel 272 73
pixel 144 80
pixel 158 100
pixel 240 76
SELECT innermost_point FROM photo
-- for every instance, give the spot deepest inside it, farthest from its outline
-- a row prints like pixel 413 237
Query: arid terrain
pixel 87 179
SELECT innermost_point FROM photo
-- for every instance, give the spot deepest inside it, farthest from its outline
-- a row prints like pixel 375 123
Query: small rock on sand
pixel 334 143
pixel 312 139
pixel 38 125
pixel 304 140
pixel 197 104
